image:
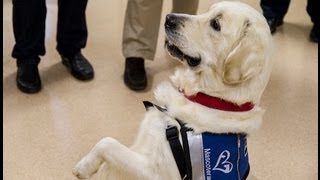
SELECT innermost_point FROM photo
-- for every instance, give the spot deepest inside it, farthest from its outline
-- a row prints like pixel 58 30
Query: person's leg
pixel 313 11
pixel 29 31
pixel 72 36
pixel 274 8
pixel 141 28
pixel 140 35
pixel 185 6
pixel 28 19
pixel 274 11
pixel 142 21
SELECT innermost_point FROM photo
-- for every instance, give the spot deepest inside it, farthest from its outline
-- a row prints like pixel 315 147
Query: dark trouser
pixel 313 10
pixel 274 8
pixel 29 28
pixel 279 8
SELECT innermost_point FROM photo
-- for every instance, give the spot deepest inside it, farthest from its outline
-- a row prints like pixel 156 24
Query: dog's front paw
pixel 86 167
pixel 165 92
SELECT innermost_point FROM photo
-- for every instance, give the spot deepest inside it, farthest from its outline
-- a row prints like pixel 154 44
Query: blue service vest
pixel 218 156
pixel 208 156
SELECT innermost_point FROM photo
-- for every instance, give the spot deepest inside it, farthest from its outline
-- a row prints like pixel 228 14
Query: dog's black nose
pixel 171 21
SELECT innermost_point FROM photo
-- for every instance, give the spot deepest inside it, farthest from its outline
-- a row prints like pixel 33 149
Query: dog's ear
pixel 243 62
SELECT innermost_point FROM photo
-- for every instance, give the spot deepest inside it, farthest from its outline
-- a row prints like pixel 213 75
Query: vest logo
pixel 223 164
pixel 207 163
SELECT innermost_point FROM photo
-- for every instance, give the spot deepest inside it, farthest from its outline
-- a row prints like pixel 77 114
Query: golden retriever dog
pixel 214 96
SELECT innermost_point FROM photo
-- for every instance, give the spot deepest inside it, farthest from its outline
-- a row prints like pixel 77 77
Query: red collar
pixel 216 103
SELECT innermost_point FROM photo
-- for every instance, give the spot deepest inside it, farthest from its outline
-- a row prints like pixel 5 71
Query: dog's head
pixel 226 51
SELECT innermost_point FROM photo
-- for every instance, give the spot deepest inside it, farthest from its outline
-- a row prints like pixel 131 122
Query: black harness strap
pixel 172 135
pixel 187 159
pixel 148 104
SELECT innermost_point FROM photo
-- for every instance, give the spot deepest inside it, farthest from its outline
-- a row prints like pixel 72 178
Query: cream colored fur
pixel 235 66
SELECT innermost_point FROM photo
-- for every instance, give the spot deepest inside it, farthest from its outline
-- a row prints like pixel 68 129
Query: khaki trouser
pixel 141 26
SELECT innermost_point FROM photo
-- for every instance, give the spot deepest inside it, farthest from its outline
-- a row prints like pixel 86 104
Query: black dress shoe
pixel 28 78
pixel 135 75
pixel 314 35
pixel 273 23
pixel 79 66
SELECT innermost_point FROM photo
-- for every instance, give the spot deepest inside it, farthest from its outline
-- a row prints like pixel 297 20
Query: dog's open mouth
pixel 176 52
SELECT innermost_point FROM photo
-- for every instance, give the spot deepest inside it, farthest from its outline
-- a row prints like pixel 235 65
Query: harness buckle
pixel 172 132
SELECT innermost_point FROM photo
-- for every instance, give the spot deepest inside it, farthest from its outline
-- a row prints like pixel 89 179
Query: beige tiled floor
pixel 47 133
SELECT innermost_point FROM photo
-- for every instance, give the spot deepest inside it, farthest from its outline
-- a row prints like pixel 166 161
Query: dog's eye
pixel 193 62
pixel 215 24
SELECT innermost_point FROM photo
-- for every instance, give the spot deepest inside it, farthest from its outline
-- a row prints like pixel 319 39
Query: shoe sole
pixel 29 91
pixel 66 64
pixel 277 25
pixel 135 88
pixel 314 40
